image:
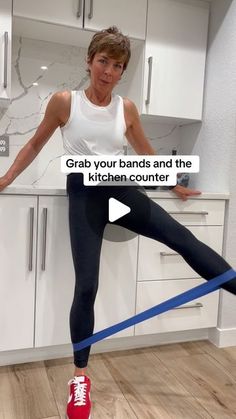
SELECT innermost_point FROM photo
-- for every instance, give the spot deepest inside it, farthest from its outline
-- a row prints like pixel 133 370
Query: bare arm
pixel 45 130
pixel 137 139
pixel 135 134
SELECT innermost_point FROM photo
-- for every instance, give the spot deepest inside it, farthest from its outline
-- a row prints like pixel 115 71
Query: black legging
pixel 86 240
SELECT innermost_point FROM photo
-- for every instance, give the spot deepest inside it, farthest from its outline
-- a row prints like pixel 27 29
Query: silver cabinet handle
pixel 31 239
pixel 197 305
pixel 5 59
pixel 45 214
pixel 168 253
pixel 90 15
pixel 189 212
pixel 79 10
pixel 150 60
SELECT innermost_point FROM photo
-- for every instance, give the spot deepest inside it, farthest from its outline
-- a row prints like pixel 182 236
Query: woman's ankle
pixel 80 371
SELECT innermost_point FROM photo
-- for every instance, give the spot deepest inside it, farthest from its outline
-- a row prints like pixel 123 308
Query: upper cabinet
pixel 129 17
pixel 175 54
pixel 68 13
pixel 165 77
pixel 5 51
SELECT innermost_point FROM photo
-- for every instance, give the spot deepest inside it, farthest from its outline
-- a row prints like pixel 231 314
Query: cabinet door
pixel 55 273
pixel 68 13
pixel 5 51
pixel 17 271
pixel 55 277
pixel 128 16
pixel 175 58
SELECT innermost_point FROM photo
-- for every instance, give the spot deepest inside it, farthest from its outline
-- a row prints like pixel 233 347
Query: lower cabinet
pixel 163 273
pixel 37 274
pixel 55 273
pixel 18 218
pixel 55 277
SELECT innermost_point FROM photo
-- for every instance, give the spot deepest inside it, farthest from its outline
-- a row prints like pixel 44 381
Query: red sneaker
pixel 79 403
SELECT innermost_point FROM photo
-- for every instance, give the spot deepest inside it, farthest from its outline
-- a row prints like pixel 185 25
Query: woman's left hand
pixel 185 193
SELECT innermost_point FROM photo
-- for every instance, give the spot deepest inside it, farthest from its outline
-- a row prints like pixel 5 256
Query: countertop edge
pixel 55 191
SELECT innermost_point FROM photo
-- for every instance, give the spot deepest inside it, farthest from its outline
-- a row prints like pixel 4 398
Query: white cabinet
pixel 55 273
pixel 162 273
pixel 37 274
pixel 18 218
pixel 55 277
pixel 130 17
pixel 175 54
pixel 69 13
pixel 5 51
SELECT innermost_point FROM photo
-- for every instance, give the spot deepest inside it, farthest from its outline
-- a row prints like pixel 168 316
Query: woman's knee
pixel 181 237
pixel 86 289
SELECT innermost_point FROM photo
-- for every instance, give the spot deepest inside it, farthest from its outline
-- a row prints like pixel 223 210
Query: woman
pixel 94 122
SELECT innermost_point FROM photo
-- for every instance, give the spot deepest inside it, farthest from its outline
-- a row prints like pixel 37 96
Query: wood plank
pixel 225 356
pixel 177 350
pixel 151 389
pixel 107 399
pixel 25 392
pixel 208 382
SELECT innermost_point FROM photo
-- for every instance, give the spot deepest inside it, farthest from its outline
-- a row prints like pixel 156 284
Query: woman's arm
pixel 135 134
pixel 45 130
pixel 137 139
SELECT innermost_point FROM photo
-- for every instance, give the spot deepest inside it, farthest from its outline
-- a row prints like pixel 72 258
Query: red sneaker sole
pixel 90 417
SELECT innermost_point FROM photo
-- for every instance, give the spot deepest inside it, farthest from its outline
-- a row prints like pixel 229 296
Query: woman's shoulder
pixel 127 101
pixel 63 96
pixel 130 111
pixel 129 106
pixel 62 101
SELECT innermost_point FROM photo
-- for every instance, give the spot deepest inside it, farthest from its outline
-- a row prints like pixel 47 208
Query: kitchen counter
pixel 60 191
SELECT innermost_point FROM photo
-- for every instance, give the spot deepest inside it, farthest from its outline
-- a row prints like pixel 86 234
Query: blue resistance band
pixel 185 297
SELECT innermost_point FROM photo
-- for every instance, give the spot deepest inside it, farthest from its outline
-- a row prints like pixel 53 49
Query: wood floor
pixel 179 381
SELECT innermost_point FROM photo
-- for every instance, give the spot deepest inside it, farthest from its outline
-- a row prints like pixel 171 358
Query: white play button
pixel 117 209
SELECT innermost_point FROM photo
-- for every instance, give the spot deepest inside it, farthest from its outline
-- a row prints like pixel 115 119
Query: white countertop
pixel 55 190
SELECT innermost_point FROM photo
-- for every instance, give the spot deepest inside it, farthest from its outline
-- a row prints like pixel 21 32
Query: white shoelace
pixel 80 392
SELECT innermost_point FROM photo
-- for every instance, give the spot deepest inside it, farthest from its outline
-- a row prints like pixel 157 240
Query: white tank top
pixel 92 129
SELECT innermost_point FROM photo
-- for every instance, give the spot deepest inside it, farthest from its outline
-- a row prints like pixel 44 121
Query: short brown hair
pixel 113 42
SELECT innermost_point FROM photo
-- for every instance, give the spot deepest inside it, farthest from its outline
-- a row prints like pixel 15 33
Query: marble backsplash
pixel 39 69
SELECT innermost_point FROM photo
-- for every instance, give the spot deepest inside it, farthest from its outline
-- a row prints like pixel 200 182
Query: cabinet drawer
pixel 157 261
pixel 195 212
pixel 199 313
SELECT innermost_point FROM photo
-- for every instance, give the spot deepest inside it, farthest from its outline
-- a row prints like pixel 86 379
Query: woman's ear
pixel 88 65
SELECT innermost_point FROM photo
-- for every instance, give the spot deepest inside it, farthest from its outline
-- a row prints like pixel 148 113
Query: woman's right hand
pixel 4 182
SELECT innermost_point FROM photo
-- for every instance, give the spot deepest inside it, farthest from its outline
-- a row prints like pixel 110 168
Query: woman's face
pixel 105 72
